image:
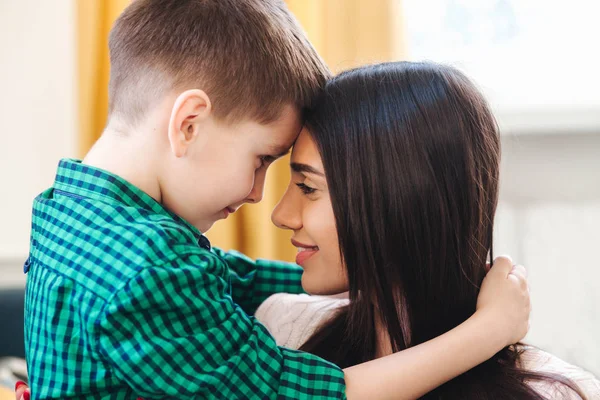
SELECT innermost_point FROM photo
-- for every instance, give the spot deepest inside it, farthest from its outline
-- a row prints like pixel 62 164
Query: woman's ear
pixel 191 108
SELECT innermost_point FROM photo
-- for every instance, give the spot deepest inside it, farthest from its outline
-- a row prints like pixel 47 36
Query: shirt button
pixel 26 265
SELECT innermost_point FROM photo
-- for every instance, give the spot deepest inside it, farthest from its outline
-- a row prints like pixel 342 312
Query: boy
pixel 125 296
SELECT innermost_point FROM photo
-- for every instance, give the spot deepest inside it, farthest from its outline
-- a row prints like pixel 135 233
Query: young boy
pixel 125 296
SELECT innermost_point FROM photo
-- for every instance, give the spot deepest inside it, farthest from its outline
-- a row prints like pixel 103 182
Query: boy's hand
pixel 504 300
pixel 22 391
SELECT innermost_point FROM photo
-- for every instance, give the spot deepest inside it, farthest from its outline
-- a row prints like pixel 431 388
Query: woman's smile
pixel 305 251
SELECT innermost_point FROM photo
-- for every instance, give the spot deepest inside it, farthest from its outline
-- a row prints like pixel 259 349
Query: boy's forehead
pixel 281 134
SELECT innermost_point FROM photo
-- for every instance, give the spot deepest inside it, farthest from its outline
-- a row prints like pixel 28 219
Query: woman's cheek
pixel 330 245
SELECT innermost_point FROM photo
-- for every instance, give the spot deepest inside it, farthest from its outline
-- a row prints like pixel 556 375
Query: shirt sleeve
pixel 174 332
pixel 253 281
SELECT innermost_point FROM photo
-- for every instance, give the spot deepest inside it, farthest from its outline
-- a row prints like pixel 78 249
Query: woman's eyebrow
pixel 305 168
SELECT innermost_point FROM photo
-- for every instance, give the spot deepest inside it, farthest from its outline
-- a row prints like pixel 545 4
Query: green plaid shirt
pixel 126 299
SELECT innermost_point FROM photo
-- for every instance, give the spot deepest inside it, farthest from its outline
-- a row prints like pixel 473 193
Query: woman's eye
pixel 305 189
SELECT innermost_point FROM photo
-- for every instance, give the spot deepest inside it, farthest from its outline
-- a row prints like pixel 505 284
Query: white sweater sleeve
pixel 293 318
pixel 539 361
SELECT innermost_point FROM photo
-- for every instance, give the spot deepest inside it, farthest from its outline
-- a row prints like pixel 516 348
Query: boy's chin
pixel 204 225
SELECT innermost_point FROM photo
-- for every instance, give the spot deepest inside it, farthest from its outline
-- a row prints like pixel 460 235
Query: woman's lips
pixel 304 254
pixel 305 251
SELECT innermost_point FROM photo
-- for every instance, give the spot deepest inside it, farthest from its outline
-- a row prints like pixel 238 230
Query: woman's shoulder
pixel 293 318
pixel 537 360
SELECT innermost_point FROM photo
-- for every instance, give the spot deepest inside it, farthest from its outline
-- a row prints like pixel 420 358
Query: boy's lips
pixel 305 251
pixel 228 210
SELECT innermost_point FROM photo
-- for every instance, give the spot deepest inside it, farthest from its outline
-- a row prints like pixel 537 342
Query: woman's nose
pixel 286 214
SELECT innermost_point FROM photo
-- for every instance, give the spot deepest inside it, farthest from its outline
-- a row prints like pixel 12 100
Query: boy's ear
pixel 190 109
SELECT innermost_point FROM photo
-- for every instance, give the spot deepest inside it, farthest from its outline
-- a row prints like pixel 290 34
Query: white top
pixel 292 319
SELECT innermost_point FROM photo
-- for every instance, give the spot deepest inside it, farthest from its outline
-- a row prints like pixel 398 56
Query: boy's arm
pixel 253 281
pixel 174 332
pixel 501 319
pixel 411 373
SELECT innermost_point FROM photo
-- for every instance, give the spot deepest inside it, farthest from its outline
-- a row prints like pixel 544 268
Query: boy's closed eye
pixel 267 160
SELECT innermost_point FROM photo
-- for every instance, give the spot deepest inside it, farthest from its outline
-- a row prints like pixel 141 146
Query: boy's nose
pixel 256 194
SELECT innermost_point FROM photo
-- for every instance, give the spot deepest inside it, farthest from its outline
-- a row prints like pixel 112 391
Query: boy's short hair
pixel 250 56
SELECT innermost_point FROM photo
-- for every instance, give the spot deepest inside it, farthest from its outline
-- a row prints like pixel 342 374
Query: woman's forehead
pixel 305 150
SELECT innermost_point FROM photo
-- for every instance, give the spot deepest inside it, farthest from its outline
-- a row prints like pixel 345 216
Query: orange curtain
pixel 349 33
pixel 94 20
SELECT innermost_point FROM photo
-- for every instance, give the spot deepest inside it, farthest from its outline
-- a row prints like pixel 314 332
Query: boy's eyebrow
pixel 305 168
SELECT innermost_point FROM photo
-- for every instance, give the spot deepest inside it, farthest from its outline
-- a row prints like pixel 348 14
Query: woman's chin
pixel 320 286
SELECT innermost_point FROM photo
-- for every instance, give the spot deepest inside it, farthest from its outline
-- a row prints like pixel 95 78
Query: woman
pixel 393 194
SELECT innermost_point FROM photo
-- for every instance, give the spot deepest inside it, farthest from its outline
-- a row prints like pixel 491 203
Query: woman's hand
pixel 504 300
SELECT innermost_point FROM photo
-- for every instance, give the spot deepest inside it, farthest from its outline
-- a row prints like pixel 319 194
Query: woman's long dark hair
pixel 411 154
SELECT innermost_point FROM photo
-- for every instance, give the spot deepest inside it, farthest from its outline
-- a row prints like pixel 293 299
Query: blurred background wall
pixel 38 114
pixel 536 61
